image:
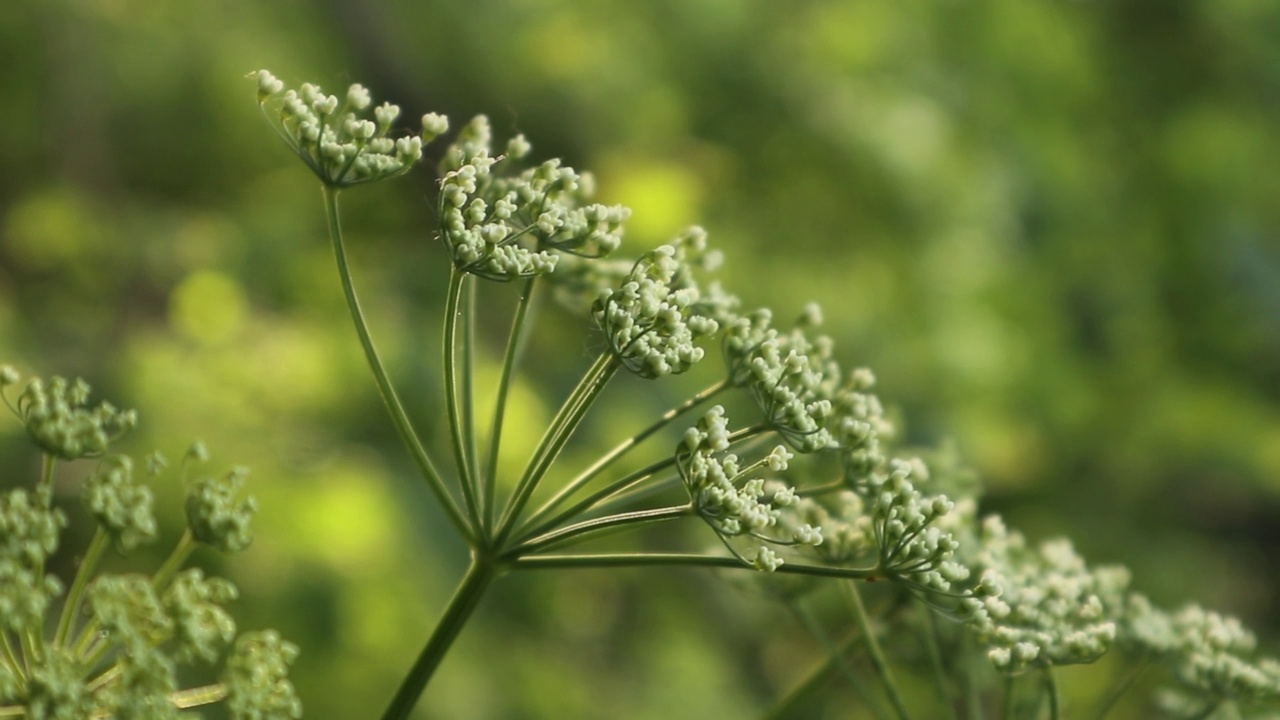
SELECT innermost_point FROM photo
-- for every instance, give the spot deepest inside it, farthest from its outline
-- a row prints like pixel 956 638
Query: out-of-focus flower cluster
pixel 118 641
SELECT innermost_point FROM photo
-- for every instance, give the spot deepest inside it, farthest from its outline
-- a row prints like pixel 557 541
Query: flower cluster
pixel 1051 609
pixel 507 226
pixel 120 642
pixel 336 138
pixel 791 377
pixel 913 546
pixel 732 502
pixel 59 420
pixel 654 319
pixel 1211 656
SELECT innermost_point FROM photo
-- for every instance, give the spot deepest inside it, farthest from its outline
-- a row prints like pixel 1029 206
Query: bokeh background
pixel 1050 226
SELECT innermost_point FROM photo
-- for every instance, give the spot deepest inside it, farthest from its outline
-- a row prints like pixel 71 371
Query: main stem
pixel 398 416
pixel 878 661
pixel 465 599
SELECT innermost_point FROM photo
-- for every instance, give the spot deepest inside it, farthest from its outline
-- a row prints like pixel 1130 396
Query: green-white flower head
pixel 507 225
pixel 56 690
pixel 29 530
pixel 59 420
pixel 1052 609
pixel 344 142
pixel 128 610
pixel 654 319
pixel 219 516
pixel 202 629
pixel 1212 655
pixel 860 429
pixel 121 505
pixel 791 377
pixel 912 544
pixel 734 499
pixel 257 678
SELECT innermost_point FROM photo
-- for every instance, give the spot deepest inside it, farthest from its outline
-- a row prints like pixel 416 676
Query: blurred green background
pixel 1052 228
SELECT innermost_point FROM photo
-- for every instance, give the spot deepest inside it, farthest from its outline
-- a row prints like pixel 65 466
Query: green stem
pixel 625 446
pixel 13 711
pixel 465 599
pixel 623 485
pixel 468 390
pixel 1122 687
pixel 597 497
pixel 836 660
pixel 72 606
pixel 878 662
pixel 587 527
pixel 605 560
pixel 929 629
pixel 458 430
pixel 562 427
pixel 1008 698
pixel 182 551
pixel 11 657
pixel 1051 690
pixel 515 346
pixel 195 697
pixel 398 417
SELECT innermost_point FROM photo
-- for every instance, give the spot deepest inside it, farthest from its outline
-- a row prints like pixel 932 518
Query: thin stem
pixel 468 390
pixel 1122 687
pixel 515 347
pixel 605 560
pixel 1051 690
pixel 458 432
pixel 1008 698
pixel 929 629
pixel 83 573
pixel 195 697
pixel 104 679
pixel 566 421
pixel 182 551
pixel 878 662
pixel 835 661
pixel 11 657
pixel 398 416
pixel 597 497
pixel 13 711
pixel 465 599
pixel 625 484
pixel 625 446
pixel 587 527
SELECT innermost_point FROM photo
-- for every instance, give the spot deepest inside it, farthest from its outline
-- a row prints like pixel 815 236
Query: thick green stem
pixel 72 606
pixel 465 599
pixel 878 661
pixel 398 416
pixel 515 346
pixel 458 425
pixel 578 531
pixel 562 427
pixel 625 446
